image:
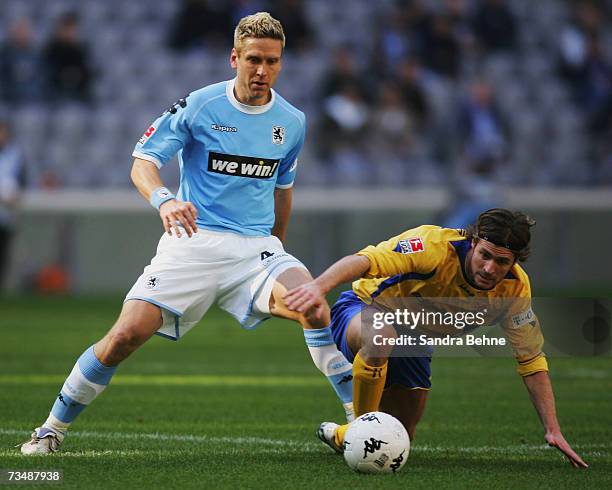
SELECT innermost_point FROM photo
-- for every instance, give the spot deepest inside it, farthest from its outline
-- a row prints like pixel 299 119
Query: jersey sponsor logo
pixel 278 135
pixel 523 318
pixel 225 129
pixel 410 246
pixel 240 166
pixel 147 134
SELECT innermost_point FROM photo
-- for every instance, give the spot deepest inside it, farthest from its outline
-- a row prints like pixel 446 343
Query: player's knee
pixel 315 319
pixel 121 342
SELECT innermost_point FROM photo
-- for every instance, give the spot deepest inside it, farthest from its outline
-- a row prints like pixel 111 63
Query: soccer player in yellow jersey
pixel 433 262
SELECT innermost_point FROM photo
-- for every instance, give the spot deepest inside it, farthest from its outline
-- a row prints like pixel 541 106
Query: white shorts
pixel 188 275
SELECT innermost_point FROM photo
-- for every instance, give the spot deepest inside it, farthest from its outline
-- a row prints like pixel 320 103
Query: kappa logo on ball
pixel 410 246
pixel 278 135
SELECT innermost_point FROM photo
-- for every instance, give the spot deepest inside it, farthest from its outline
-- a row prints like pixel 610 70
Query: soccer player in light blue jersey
pixel 237 142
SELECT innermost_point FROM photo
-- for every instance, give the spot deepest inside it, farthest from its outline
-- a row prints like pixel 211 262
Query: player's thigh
pixel 137 322
pixel 405 404
pixel 372 343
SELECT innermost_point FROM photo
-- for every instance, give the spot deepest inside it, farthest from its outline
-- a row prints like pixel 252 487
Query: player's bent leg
pixel 92 373
pixel 369 365
pixel 137 322
pixel 318 336
pixel 405 404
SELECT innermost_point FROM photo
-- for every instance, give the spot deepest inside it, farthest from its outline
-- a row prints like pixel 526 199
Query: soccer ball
pixel 376 442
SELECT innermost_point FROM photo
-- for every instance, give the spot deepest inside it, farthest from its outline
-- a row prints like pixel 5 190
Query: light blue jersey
pixel 232 156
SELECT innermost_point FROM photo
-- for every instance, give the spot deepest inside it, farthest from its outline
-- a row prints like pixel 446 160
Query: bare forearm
pixel 145 176
pixel 543 399
pixel 283 200
pixel 347 269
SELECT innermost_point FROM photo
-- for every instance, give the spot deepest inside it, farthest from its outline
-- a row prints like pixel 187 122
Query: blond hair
pixel 260 25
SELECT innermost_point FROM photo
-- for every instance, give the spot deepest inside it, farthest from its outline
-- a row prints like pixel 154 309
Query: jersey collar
pixel 247 109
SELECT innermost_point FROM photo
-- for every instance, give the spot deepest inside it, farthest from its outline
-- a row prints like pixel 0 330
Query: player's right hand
pixel 175 213
pixel 556 439
pixel 304 297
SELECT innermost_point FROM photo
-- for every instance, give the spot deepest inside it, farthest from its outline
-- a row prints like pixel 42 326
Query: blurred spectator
pixel 495 26
pixel 441 51
pixel 67 62
pixel 201 23
pixel 393 39
pixel 291 15
pixel 410 83
pixel 242 8
pixel 344 96
pixel 19 65
pixel 483 130
pixel 584 28
pixel 392 138
pixel 343 72
pixel 12 181
pixel 484 148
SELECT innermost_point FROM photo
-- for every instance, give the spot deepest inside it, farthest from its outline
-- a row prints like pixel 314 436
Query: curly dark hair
pixel 504 228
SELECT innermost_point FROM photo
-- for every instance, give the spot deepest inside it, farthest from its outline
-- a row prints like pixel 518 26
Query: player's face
pixel 488 264
pixel 257 66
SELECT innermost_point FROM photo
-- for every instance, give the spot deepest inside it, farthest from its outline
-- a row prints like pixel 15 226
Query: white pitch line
pixel 279 445
pixel 176 380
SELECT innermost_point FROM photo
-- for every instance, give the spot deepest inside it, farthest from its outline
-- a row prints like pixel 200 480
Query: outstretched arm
pixel 146 178
pixel 312 294
pixel 543 399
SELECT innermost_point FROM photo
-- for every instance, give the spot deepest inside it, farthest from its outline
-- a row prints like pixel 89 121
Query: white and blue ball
pixel 376 442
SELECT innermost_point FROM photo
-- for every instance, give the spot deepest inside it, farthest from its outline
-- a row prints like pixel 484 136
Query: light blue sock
pixel 88 378
pixel 331 362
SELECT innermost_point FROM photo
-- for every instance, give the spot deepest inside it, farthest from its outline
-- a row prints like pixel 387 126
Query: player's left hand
pixel 305 297
pixel 556 439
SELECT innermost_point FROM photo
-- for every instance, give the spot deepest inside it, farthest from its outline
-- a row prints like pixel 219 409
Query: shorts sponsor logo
pixel 266 255
pixel 523 318
pixel 226 129
pixel 268 258
pixel 147 134
pixel 152 282
pixel 278 135
pixel 410 246
pixel 241 166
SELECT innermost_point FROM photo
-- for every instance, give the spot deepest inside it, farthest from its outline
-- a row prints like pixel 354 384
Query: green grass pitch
pixel 226 408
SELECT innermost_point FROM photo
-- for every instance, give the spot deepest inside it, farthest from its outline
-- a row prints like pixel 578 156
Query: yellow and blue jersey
pixel 429 262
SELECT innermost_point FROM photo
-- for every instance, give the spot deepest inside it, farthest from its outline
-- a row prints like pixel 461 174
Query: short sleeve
pixel 522 329
pixel 166 135
pixel 411 251
pixel 288 165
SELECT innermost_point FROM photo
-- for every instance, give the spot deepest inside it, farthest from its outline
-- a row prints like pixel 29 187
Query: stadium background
pixel 395 139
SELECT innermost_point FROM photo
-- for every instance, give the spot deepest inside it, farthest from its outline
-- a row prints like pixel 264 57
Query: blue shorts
pixel 411 372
